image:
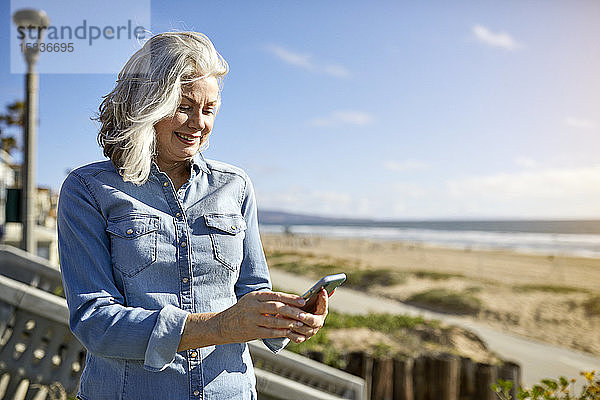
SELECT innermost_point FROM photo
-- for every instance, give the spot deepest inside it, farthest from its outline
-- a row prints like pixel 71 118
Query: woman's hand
pixel 312 322
pixel 261 314
pixel 257 315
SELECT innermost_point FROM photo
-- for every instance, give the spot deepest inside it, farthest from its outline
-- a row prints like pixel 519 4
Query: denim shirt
pixel 136 260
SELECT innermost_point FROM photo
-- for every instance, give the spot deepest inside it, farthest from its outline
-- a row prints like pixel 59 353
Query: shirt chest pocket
pixel 133 242
pixel 227 232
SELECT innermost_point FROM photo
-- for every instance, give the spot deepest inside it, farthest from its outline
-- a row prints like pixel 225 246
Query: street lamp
pixel 36 20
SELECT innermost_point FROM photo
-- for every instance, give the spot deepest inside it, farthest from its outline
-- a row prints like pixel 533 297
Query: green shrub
pixel 473 289
pixel 592 306
pixel 361 279
pixel 548 288
pixel 447 301
pixel 386 323
pixel 436 276
pixel 364 279
pixel 550 389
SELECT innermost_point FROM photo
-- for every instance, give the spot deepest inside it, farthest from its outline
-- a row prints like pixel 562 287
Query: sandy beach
pixel 543 297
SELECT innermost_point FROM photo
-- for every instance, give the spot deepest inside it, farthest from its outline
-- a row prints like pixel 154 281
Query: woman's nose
pixel 196 121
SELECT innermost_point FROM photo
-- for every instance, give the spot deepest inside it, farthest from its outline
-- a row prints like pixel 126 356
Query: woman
pixel 161 258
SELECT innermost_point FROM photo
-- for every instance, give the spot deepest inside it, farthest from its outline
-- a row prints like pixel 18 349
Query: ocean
pixel 556 238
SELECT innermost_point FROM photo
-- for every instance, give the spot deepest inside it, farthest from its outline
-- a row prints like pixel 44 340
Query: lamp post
pixel 32 21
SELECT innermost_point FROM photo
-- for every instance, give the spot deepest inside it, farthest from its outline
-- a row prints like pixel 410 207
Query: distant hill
pixel 283 218
pixel 269 217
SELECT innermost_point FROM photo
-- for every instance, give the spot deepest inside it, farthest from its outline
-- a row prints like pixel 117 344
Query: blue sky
pixel 403 110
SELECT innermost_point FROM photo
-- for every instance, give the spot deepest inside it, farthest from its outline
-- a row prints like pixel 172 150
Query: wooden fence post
pixel 361 364
pixel 383 379
pixel 432 378
pixel 485 376
pixel 510 371
pixel 467 379
pixel 419 378
pixel 448 374
pixel 403 379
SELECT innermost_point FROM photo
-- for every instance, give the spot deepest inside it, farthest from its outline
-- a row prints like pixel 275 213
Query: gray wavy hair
pixel 148 89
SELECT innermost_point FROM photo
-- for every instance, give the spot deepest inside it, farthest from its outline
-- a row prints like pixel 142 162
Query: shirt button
pixel 178 215
pixel 185 280
pixel 165 184
pixel 183 244
pixel 129 231
pixel 196 392
pixel 194 354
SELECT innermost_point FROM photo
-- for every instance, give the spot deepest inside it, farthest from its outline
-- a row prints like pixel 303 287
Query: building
pixel 10 230
pixel 8 179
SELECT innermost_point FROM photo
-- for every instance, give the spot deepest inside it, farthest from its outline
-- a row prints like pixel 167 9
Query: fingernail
pixel 298 324
pixel 302 302
pixel 301 315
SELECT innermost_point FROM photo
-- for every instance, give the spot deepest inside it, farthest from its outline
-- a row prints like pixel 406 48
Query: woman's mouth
pixel 186 139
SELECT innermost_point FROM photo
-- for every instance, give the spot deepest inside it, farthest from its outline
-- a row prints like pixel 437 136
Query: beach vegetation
pixel 435 276
pixel 556 289
pixel 366 278
pixel 357 278
pixel 386 323
pixel 274 254
pixel 550 389
pixel 390 324
pixel 592 306
pixel 446 300
pixel 473 289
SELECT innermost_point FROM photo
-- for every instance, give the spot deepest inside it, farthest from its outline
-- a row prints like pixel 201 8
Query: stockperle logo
pixel 78 36
pixel 84 31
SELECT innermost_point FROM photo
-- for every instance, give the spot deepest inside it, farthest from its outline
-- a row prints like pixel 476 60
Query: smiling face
pixel 178 138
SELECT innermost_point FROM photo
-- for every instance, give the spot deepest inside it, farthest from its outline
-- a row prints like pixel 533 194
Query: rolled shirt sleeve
pixel 165 338
pixel 98 316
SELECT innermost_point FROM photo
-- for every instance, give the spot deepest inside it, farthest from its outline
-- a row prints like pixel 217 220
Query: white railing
pixel 28 268
pixel 39 354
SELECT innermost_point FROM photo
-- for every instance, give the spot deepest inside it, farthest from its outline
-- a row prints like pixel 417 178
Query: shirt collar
pixel 197 162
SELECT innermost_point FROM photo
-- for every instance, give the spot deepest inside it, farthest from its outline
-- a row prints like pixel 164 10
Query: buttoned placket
pixel 175 200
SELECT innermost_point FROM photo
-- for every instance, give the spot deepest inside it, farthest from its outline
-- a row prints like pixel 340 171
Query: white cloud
pixel 406 165
pixel 530 193
pixel 580 123
pixel 394 200
pixel 336 70
pixel 305 61
pixel 495 39
pixel 525 162
pixel 573 192
pixel 343 117
pixel 292 58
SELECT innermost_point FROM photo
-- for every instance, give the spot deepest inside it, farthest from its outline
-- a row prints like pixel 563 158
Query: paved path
pixel 538 360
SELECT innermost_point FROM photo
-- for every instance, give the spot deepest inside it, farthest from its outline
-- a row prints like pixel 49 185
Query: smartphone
pixel 329 283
